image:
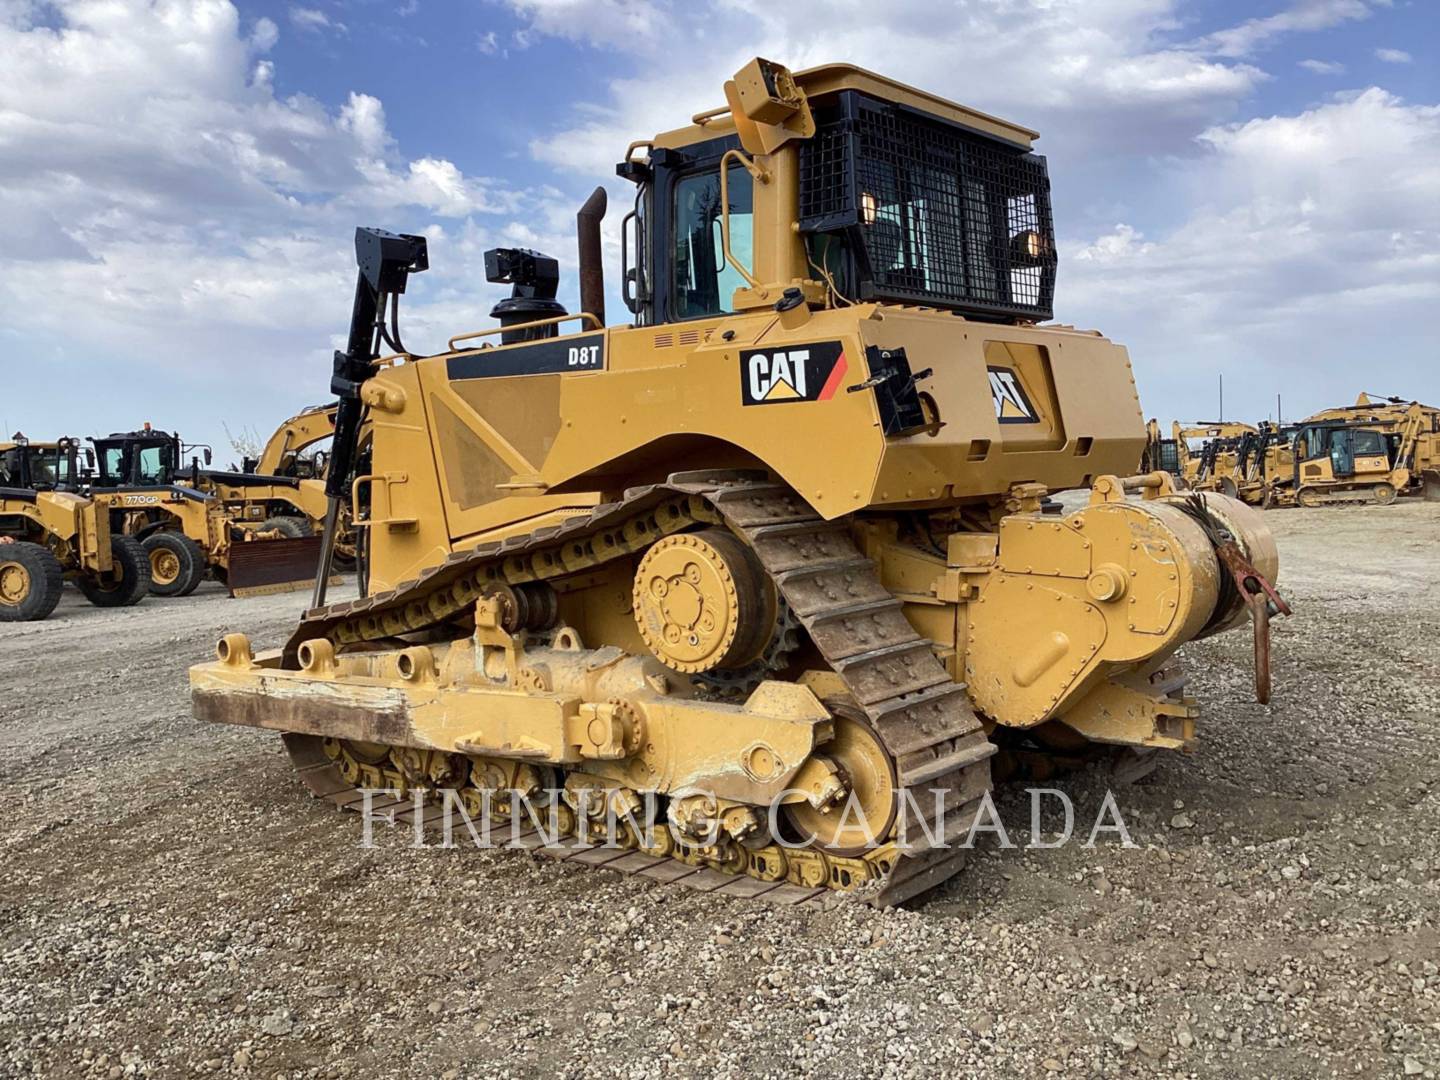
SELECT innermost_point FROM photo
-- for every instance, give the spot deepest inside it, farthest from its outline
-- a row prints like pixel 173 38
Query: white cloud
pixel 1393 56
pixel 1302 16
pixel 315 20
pixel 170 218
pixel 363 116
pixel 1323 67
pixel 1292 244
pixel 264 36
pixel 1081 70
pixel 488 43
pixel 621 23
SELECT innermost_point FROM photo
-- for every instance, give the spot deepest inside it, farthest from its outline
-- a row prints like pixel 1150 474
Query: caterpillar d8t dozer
pixel 773 570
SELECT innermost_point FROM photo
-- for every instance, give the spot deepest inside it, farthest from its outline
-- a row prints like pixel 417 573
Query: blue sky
pixel 1251 188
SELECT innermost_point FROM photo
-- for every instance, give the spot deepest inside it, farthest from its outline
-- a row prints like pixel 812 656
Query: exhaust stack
pixel 592 271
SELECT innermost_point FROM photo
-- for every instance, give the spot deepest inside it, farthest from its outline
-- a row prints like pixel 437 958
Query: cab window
pixel 704 282
pixel 153 466
pixel 42 468
pixel 1369 444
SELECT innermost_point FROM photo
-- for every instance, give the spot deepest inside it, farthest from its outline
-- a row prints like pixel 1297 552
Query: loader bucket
pixel 259 567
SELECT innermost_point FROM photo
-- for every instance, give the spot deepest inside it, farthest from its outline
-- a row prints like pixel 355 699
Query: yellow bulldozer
pixel 1337 462
pixel 751 592
pixel 1208 453
pixel 50 531
pixel 1371 452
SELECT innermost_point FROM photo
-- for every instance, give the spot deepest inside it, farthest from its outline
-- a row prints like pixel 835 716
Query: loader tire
pixel 293 527
pixel 131 576
pixel 31 580
pixel 177 564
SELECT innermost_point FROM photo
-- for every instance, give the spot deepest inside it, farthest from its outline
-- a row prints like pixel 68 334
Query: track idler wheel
pixel 851 827
pixel 703 602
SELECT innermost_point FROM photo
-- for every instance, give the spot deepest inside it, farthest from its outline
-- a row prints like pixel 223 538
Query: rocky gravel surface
pixel 174 905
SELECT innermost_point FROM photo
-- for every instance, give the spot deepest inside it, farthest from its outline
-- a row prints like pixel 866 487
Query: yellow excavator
pixel 294 457
pixel 753 593
pixel 292 449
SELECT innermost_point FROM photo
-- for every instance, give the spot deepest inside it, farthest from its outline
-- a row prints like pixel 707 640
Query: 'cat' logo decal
pixel 795 373
pixel 1012 406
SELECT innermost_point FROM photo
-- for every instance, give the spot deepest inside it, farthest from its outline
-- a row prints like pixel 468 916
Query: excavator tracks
pixel 890 674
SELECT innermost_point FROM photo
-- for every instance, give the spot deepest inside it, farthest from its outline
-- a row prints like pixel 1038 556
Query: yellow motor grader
pixel 49 531
pixel 191 522
pixel 759 583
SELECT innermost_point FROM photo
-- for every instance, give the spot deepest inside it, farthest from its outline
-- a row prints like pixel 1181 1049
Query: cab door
pixel 1342 453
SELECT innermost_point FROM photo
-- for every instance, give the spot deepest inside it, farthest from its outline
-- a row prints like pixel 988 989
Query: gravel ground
pixel 174 904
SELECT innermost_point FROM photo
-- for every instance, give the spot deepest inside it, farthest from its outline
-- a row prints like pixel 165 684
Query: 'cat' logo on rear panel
pixel 796 373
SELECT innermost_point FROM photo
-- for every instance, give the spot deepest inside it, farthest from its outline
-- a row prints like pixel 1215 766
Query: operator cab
pixel 144 458
pixel 887 194
pixel 35 466
pixel 1343 445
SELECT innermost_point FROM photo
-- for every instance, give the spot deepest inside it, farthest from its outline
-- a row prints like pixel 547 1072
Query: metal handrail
pixel 595 324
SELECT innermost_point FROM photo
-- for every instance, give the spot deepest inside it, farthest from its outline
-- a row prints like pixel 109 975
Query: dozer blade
pixel 261 567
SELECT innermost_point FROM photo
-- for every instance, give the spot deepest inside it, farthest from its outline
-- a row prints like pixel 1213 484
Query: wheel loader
pixel 50 532
pixel 760 591
pixel 191 521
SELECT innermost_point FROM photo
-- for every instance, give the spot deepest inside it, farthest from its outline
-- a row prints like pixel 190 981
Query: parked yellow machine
pixel 49 531
pixel 190 520
pixel 1212 465
pixel 781 550
pixel 1369 452
pixel 295 464
pixel 1411 448
pixel 293 449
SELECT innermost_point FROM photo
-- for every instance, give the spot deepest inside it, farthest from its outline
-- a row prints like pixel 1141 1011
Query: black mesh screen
pixel 932 213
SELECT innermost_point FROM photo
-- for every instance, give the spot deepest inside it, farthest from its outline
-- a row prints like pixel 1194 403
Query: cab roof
pixel 827 79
